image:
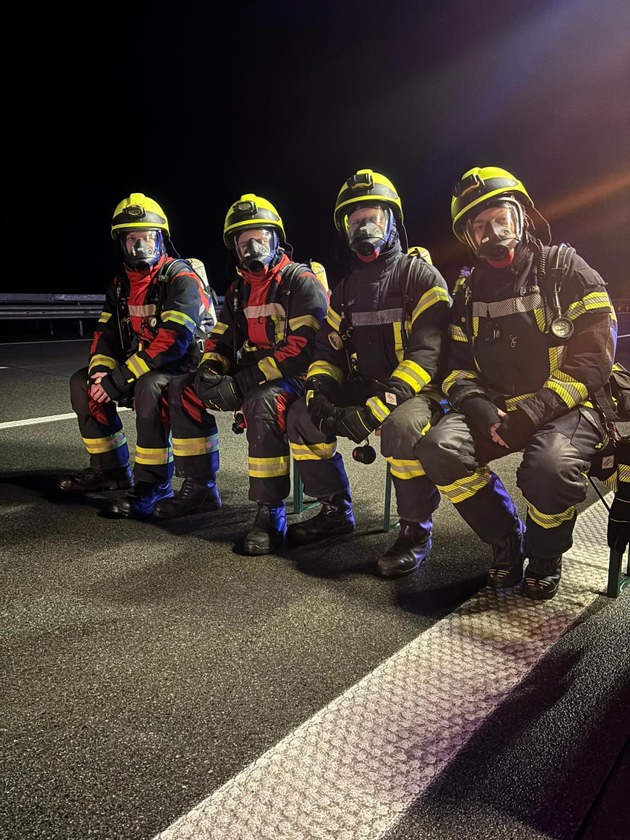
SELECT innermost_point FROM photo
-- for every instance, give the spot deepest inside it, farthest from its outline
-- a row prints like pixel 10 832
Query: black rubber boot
pixel 193 497
pixel 90 479
pixel 269 529
pixel 506 571
pixel 334 517
pixel 412 546
pixel 542 578
pixel 142 499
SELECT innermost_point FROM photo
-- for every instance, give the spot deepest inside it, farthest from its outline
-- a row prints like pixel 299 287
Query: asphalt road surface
pixel 158 684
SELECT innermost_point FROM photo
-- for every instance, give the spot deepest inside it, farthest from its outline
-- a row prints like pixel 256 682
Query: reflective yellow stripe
pixel 398 342
pixel 457 333
pixel 378 409
pixel 270 368
pixel 96 446
pixel 216 357
pixel 314 451
pixel 320 367
pixel 458 375
pixel 163 455
pixel 405 469
pixel 187 447
pixel 466 487
pixel 589 303
pixel 103 361
pixel 570 391
pixel 268 467
pixel 550 520
pixel 136 365
pixel 333 319
pixel 432 296
pixel 177 317
pixel 304 321
pixel 413 374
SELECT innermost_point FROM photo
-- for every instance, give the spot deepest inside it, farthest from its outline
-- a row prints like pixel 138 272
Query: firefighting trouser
pixel 264 410
pixel 323 473
pixel 552 477
pixel 103 434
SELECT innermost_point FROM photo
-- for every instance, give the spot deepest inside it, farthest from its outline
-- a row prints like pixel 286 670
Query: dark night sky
pixel 195 106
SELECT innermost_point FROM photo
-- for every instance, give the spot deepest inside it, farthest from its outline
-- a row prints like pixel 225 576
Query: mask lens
pixel 373 219
pixel 495 231
pixel 141 242
pixel 262 237
pixel 256 248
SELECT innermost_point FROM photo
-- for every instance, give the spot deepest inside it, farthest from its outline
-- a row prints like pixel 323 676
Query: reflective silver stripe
pixel 143 311
pixel 511 306
pixel 264 310
pixel 375 319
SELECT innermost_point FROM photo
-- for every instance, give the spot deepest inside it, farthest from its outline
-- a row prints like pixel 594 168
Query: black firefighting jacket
pixel 500 344
pixel 145 327
pixel 267 324
pixel 386 324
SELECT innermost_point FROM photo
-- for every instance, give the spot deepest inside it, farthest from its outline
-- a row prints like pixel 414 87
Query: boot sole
pixel 391 574
pixel 258 552
pixel 136 514
pixel 537 594
pixel 100 488
pixel 295 540
pixel 509 581
pixel 198 509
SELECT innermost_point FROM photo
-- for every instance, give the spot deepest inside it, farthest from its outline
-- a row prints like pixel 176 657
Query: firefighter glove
pixel 480 414
pixel 516 429
pixel 324 414
pixel 118 383
pixel 320 384
pixel 249 378
pixel 218 392
pixel 356 423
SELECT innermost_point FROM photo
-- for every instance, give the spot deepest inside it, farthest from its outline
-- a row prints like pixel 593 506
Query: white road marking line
pixel 33 421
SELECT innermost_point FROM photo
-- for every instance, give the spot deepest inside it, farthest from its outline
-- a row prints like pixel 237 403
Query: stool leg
pixel 298 490
pixel 388 500
pixel 614 574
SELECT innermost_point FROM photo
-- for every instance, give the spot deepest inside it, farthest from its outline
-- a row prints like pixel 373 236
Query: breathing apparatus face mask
pixel 368 229
pixel 495 232
pixel 256 248
pixel 141 248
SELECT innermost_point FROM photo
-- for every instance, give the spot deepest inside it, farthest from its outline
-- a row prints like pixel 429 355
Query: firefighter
pixel 156 310
pixel 532 334
pixel 254 363
pixel 374 368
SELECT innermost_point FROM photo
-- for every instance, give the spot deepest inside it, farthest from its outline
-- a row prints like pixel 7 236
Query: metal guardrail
pixel 52 307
